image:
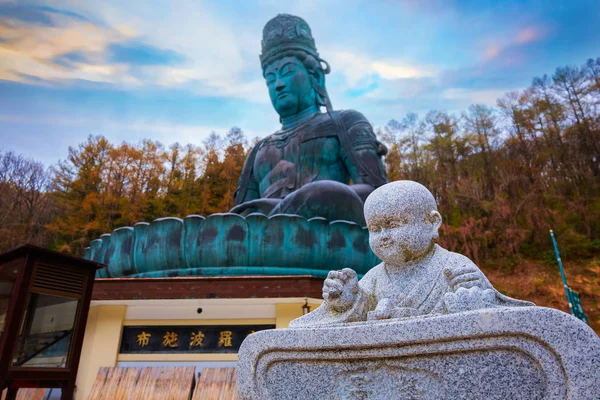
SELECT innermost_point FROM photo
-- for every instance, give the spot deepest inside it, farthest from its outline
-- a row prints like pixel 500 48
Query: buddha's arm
pixel 365 165
pixel 247 188
pixel 251 192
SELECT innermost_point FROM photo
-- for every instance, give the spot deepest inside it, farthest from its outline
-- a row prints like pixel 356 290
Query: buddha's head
pixel 403 222
pixel 291 66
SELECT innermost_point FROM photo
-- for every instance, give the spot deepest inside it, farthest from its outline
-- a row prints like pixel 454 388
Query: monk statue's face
pixel 289 86
pixel 403 222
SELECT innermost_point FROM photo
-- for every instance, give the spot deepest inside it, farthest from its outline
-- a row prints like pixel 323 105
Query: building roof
pixel 45 253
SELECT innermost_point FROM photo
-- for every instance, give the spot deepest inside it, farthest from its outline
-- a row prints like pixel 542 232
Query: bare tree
pixel 24 201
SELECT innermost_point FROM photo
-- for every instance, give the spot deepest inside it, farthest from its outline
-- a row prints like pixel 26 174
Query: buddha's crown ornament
pixel 283 33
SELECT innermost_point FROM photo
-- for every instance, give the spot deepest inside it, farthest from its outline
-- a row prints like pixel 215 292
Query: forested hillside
pixel 503 176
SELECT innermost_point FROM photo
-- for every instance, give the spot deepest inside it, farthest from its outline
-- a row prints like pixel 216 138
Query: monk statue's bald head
pixel 403 222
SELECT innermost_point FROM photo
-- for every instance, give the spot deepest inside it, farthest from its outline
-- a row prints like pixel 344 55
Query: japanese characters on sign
pixel 186 339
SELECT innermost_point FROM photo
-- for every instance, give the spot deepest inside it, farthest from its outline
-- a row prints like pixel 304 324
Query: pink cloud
pixel 528 35
pixel 515 60
pixel 492 52
pixel 503 47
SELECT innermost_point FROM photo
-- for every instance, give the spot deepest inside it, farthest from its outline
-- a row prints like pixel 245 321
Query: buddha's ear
pixel 319 77
pixel 318 84
pixel 436 220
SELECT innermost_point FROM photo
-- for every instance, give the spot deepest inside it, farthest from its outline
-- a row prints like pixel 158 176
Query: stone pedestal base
pixel 503 353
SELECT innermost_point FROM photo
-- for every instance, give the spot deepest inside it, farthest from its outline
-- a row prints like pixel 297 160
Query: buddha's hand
pixel 465 277
pixel 340 289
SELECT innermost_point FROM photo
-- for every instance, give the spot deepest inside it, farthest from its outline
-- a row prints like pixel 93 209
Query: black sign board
pixel 186 339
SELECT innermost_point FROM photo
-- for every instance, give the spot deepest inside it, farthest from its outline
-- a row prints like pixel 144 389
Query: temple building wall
pixel 100 345
pixel 109 320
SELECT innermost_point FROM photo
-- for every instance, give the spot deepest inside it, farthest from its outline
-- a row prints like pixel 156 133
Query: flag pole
pixel 562 272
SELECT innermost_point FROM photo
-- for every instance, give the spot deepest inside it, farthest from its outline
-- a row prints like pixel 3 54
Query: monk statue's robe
pixel 314 169
pixel 424 296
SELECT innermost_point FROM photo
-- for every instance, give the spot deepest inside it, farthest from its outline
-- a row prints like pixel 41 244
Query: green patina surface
pixel 232 245
pixel 317 164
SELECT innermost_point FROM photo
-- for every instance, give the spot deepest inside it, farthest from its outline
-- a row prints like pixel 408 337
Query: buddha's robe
pixel 307 170
pixel 426 295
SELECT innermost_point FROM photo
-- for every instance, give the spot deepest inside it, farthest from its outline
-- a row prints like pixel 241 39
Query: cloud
pixel 135 53
pixel 359 69
pixel 55 46
pixel 70 59
pixel 39 15
pixel 499 48
pixel 492 52
pixel 470 96
pixel 69 48
pixel 403 89
pixel 33 15
pixel 66 13
pixel 367 83
pixel 529 35
pixel 364 86
pixel 398 70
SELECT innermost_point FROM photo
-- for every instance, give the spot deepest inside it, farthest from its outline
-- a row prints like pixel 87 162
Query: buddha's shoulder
pixel 321 122
pixel 348 117
pixel 351 117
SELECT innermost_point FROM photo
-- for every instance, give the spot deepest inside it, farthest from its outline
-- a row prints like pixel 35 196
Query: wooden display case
pixel 44 302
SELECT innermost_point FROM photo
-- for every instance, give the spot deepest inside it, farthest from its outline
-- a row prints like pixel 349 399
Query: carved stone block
pixel 499 353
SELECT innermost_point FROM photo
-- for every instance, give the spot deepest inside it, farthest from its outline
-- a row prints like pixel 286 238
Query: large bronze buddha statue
pixel 317 164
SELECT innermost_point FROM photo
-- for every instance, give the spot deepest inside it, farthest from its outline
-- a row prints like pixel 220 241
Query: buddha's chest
pixel 298 156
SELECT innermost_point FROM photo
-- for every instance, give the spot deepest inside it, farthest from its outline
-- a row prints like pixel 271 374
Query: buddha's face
pixel 289 86
pixel 401 236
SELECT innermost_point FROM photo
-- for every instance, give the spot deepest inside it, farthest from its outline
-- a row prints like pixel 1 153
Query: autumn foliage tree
pixel 101 186
pixel 504 176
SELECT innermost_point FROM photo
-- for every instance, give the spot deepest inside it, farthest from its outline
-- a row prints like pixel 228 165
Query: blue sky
pixel 174 71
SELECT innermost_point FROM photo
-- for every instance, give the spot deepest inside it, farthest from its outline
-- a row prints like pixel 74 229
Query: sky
pixel 174 71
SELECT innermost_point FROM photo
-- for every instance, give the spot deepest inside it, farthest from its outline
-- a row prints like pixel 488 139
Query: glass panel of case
pixel 45 335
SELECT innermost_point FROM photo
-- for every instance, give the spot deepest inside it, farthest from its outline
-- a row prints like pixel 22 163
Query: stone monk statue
pixel 417 277
pixel 317 164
